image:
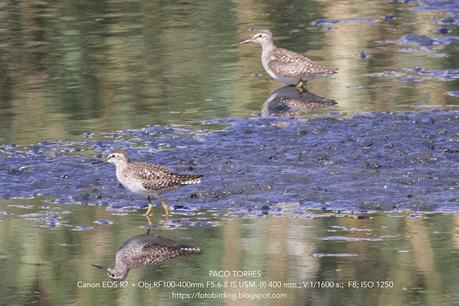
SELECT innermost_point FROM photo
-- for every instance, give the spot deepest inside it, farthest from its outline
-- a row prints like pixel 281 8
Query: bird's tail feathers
pixel 190 179
pixel 188 250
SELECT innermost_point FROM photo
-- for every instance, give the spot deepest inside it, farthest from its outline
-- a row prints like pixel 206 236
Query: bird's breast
pixel 132 184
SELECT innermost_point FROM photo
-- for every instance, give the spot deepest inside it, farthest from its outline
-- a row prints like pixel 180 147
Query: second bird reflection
pixel 289 102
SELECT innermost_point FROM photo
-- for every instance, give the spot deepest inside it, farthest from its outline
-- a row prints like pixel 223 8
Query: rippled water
pixel 77 78
pixel 46 253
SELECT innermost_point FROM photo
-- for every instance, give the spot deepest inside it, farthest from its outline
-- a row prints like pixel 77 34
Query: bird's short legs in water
pixel 150 207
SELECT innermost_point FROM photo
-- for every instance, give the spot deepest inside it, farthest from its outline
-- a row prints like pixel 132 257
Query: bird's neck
pixel 121 269
pixel 267 47
pixel 120 166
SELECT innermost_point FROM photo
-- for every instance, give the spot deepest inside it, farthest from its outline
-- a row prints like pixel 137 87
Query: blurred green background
pixel 87 66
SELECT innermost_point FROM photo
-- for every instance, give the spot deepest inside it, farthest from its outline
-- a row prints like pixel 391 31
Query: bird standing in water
pixel 148 179
pixel 286 66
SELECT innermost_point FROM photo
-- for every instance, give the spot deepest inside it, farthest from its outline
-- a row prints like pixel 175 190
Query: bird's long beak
pixel 247 41
pixel 98 161
pixel 100 267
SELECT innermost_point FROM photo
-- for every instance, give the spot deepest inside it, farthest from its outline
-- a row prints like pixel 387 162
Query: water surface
pixel 69 68
pixel 46 253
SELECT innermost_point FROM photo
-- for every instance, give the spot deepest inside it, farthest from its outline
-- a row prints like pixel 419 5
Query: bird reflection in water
pixel 143 250
pixel 289 102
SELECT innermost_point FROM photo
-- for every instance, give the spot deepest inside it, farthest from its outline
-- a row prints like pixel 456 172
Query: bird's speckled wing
pixel 143 250
pixel 155 177
pixel 290 64
pixel 163 249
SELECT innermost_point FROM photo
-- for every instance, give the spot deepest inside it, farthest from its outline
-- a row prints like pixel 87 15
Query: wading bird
pixel 148 179
pixel 286 66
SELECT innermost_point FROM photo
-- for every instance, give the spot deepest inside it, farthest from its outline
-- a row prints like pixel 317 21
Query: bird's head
pixel 261 37
pixel 117 157
pixel 115 274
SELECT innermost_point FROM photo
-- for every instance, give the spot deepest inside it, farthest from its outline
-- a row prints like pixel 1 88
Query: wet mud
pixel 371 161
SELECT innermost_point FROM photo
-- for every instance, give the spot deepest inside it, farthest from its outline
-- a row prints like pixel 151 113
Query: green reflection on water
pixel 419 254
pixel 74 67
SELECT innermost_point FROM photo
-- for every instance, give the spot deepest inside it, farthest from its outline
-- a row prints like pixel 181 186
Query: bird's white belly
pixel 285 80
pixel 137 188
pixel 133 185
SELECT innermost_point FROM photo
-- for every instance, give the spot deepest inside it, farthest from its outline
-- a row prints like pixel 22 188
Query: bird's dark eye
pixel 113 156
pixel 112 275
pixel 260 36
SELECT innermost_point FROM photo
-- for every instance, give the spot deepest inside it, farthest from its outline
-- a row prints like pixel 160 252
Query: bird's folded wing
pixel 153 177
pixel 156 246
pixel 290 64
pixel 159 252
pixel 148 172
pixel 170 248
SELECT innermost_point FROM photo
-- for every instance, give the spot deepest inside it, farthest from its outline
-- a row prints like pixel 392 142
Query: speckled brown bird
pixel 143 250
pixel 286 66
pixel 148 179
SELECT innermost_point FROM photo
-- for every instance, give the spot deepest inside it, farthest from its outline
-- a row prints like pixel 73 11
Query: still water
pixel 46 253
pixel 90 66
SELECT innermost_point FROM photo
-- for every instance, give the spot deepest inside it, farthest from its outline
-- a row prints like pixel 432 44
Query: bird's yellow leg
pixel 150 207
pixel 149 210
pixel 300 86
pixel 165 205
pixel 166 209
pixel 149 220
